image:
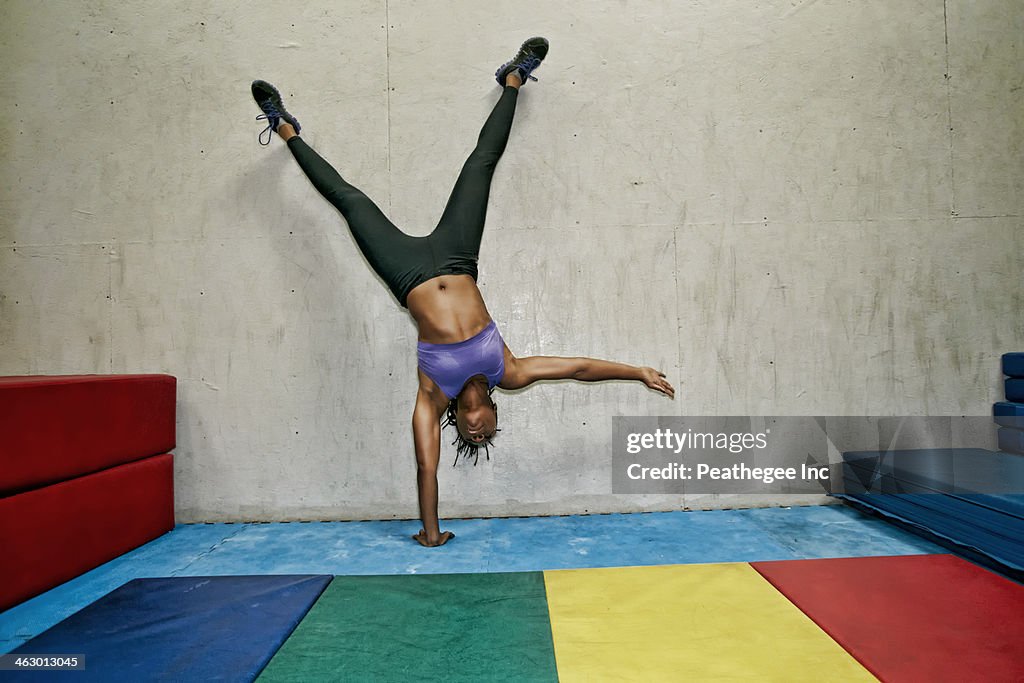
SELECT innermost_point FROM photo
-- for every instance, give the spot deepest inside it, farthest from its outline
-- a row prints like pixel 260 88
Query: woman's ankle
pixel 286 131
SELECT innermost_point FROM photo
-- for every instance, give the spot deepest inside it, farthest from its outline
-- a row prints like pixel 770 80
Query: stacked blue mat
pixel 969 500
pixel 1009 414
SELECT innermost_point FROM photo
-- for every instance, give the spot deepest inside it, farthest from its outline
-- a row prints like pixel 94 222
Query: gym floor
pixel 481 545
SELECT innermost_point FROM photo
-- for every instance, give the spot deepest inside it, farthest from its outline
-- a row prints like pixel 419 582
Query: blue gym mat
pixel 223 628
pixel 952 522
pixel 933 470
pixel 1013 364
pixel 1015 390
pixel 970 500
pixel 1011 440
pixel 1009 414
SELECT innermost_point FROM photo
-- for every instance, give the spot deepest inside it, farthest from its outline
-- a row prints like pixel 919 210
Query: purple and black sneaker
pixel 530 55
pixel 269 100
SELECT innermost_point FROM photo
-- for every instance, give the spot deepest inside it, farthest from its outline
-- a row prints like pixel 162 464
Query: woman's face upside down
pixel 477 424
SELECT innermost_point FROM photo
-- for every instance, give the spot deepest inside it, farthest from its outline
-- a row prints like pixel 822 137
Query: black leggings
pixel 404 261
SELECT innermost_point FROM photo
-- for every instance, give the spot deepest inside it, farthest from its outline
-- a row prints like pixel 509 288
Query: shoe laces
pixel 526 62
pixel 526 65
pixel 273 119
pixel 524 74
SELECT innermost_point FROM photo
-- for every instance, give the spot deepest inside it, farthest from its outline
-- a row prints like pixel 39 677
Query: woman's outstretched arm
pixel 426 431
pixel 521 372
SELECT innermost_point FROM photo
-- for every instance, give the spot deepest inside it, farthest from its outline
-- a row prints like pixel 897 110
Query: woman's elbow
pixel 583 370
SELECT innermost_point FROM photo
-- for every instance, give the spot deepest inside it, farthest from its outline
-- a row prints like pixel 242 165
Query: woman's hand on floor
pixel 427 542
pixel 656 380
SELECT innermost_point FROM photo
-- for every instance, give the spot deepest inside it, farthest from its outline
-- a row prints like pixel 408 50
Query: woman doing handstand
pixel 461 355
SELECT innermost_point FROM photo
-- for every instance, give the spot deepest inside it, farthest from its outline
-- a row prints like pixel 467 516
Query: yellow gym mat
pixel 697 622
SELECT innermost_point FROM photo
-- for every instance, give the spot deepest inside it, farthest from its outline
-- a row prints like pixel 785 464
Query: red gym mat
pixel 914 617
pixel 54 428
pixel 53 534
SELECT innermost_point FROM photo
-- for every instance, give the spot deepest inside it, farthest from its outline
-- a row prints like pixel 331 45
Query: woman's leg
pixel 396 257
pixel 365 219
pixel 461 227
pixel 462 224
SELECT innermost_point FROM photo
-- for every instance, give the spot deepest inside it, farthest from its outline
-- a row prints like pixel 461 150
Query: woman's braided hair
pixel 464 448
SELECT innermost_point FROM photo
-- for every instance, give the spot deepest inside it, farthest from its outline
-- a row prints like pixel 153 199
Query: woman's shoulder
pixel 510 378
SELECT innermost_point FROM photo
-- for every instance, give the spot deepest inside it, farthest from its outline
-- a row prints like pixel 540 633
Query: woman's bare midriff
pixel 448 309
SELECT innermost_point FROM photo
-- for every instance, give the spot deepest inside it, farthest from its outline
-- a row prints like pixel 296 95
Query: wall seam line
pixel 387 69
pixel 949 110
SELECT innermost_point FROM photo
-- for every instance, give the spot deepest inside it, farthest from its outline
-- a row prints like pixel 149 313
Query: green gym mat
pixel 441 627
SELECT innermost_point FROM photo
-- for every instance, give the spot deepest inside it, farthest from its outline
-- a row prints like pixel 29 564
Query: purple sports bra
pixel 451 365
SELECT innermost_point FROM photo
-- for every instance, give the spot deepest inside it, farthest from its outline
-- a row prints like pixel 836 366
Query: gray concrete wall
pixel 790 207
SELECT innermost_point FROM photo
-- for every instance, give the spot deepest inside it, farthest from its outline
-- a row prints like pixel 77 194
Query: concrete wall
pixel 790 207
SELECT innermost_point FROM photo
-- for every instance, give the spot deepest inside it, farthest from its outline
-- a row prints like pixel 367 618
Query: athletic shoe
pixel 269 100
pixel 531 54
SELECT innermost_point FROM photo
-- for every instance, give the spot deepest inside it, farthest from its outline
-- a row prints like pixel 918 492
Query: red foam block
pixel 53 534
pixel 61 427
pixel 912 618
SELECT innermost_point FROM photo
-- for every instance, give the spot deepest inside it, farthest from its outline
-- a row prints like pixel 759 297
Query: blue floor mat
pixel 223 628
